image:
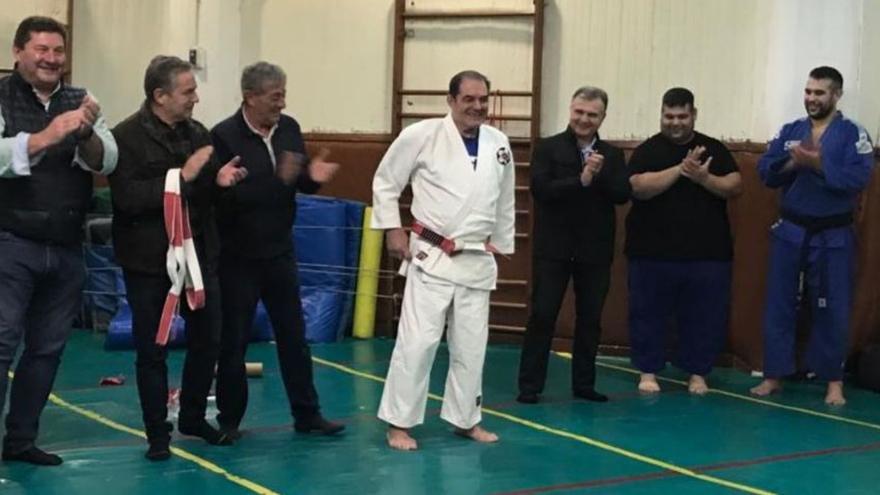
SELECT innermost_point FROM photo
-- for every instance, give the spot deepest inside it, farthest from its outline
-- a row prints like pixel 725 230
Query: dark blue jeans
pixel 40 290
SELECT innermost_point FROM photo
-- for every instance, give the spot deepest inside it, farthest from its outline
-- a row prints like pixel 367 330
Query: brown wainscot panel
pixel 751 216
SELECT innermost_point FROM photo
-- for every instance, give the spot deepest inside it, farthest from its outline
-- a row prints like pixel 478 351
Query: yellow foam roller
pixel 367 280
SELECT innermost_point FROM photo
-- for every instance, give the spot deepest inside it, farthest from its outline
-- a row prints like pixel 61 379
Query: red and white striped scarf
pixel 181 261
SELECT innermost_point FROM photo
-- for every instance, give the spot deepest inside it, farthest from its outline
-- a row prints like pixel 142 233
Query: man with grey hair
pixel 576 179
pixel 162 144
pixel 462 177
pixel 257 256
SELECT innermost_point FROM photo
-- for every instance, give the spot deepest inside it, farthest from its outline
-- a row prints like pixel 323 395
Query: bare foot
pixel 648 383
pixel 767 387
pixel 834 396
pixel 478 434
pixel 697 385
pixel 399 439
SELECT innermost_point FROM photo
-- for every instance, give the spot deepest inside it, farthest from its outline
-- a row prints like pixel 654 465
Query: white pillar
pixel 218 34
pixel 805 34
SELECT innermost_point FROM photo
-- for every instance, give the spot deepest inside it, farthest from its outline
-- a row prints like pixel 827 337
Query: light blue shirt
pixel 15 162
pixel 587 150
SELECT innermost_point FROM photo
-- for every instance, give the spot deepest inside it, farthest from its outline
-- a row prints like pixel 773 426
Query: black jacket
pixel 147 150
pixel 255 216
pixel 573 222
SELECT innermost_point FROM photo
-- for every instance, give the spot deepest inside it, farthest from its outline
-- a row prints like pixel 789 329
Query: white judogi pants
pixel 428 302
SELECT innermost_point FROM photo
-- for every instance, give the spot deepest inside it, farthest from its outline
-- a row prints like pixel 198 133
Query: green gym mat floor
pixel 671 443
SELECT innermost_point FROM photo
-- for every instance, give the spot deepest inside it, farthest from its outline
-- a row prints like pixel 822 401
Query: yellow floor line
pixel 572 436
pixel 743 397
pixel 200 461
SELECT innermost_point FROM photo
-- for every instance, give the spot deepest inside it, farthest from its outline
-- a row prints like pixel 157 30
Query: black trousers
pixel 244 282
pixel 549 282
pixel 146 295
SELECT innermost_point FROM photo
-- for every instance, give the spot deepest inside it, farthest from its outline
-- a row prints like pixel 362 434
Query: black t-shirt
pixel 685 222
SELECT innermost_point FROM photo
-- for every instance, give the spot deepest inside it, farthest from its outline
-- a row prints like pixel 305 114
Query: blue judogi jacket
pixel 847 162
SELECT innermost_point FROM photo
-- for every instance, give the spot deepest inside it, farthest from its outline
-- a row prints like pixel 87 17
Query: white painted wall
pixel 805 34
pixel 13 11
pixel 219 35
pixel 116 39
pixel 868 107
pixel 746 60
pixel 337 55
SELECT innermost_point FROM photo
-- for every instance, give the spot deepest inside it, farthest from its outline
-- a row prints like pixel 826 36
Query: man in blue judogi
pixel 821 162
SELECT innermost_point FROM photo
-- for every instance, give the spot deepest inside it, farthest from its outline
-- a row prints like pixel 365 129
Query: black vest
pixel 51 203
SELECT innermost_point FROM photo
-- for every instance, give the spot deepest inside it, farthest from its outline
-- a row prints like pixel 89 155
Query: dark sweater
pixel 148 148
pixel 573 222
pixel 255 217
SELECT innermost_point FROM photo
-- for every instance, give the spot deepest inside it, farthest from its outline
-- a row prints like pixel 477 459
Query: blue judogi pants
pixel 695 295
pixel 828 286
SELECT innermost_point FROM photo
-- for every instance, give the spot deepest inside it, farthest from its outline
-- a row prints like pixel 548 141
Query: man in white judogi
pixel 462 176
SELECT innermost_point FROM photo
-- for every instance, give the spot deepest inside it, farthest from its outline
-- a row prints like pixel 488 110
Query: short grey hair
pixel 162 73
pixel 255 76
pixel 591 93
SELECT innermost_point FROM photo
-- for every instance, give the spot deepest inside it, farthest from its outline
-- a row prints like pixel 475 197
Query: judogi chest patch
pixel 503 156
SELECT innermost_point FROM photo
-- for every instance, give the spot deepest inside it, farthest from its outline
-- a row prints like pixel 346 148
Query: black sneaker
pixel 206 432
pixel 232 432
pixel 33 455
pixel 591 395
pixel 317 424
pixel 527 398
pixel 159 450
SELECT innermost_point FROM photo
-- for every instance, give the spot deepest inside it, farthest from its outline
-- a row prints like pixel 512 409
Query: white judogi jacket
pixel 450 197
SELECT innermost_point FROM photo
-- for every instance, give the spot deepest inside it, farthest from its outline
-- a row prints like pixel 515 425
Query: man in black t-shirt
pixel 678 244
